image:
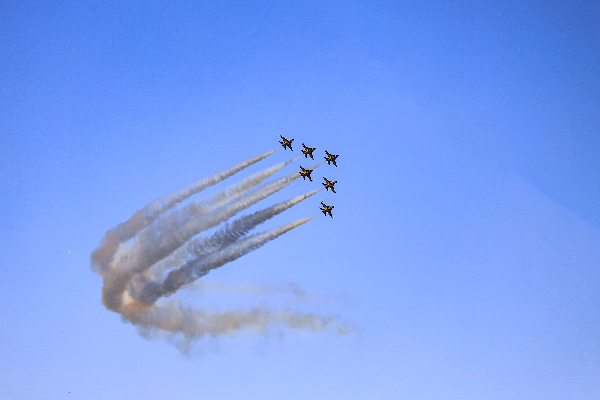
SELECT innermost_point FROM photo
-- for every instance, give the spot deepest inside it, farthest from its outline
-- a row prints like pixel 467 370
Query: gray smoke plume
pixel 229 250
pixel 171 232
pixel 174 317
pixel 123 232
pixel 127 252
pixel 229 233
pixel 199 247
pixel 192 324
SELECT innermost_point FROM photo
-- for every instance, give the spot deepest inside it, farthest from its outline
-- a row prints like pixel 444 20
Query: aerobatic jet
pixel 331 158
pixel 286 142
pixel 329 184
pixel 308 151
pixel 305 173
pixel 326 209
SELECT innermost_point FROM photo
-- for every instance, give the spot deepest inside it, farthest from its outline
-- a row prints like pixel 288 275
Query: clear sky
pixel 465 244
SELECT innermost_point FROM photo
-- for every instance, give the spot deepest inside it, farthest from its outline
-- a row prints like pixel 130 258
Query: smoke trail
pixel 235 190
pixel 229 233
pixel 269 187
pixel 291 289
pixel 200 266
pixel 123 232
pixel 131 288
pixel 194 324
pixel 171 232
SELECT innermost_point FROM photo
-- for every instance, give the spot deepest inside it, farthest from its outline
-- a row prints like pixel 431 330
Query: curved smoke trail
pixel 123 232
pixel 171 232
pixel 229 233
pixel 200 265
pixel 159 230
pixel 194 324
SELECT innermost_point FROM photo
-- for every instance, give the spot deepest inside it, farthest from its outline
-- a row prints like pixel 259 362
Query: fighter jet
pixel 331 158
pixel 305 173
pixel 329 184
pixel 326 209
pixel 287 143
pixel 308 151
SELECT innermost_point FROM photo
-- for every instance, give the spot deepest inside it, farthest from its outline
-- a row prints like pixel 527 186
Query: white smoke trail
pixel 235 190
pixel 198 247
pixel 291 289
pixel 171 232
pixel 227 234
pixel 131 289
pixel 176 318
pixel 198 267
pixel 269 187
pixel 173 317
pixel 227 251
pixel 104 253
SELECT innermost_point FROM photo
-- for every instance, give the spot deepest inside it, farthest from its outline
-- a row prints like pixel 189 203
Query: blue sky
pixel 464 246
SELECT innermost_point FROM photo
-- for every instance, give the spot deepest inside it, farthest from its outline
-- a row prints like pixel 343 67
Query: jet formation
pixel 305 173
pixel 286 142
pixel 308 151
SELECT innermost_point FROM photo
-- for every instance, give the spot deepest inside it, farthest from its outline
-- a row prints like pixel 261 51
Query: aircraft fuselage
pixel 286 142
